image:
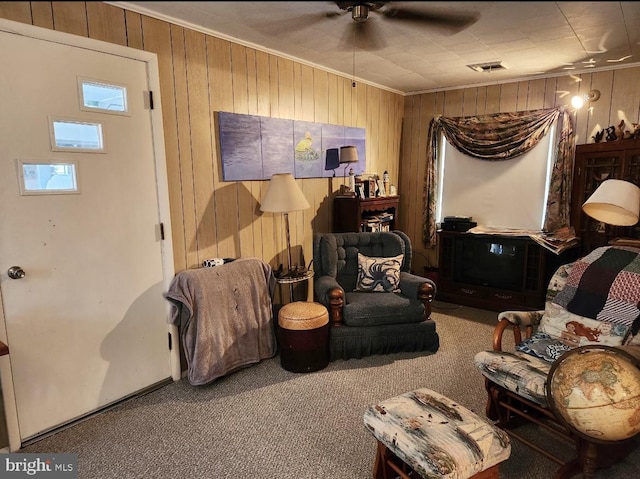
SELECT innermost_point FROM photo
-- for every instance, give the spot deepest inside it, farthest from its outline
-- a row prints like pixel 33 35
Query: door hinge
pixel 170 345
pixel 161 231
pixel 151 100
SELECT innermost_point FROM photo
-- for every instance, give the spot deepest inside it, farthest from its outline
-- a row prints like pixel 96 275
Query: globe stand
pixel 594 452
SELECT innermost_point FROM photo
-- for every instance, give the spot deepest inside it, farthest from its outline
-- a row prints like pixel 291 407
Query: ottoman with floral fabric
pixel 427 433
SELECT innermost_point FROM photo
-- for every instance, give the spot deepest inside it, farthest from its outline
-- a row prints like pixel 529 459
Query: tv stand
pixel 527 282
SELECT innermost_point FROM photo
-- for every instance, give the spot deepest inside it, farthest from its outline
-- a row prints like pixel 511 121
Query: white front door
pixel 87 324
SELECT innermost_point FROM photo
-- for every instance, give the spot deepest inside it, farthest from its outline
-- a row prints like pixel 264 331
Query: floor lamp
pixel 283 196
pixel 614 202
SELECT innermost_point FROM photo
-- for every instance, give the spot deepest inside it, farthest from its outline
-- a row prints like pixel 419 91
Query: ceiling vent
pixel 487 67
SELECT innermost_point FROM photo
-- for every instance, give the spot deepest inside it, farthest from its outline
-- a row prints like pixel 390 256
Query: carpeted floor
pixel 265 422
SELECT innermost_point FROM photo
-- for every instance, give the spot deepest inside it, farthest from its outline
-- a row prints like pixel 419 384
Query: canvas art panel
pixel 255 147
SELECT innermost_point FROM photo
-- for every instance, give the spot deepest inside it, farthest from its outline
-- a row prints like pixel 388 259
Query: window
pixel 103 97
pixel 503 194
pixel 48 178
pixel 76 135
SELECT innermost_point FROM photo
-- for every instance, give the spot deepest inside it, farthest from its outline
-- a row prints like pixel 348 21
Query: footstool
pixel 428 433
pixel 303 336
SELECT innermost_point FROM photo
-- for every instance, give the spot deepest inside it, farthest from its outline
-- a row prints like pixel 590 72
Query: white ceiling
pixel 532 39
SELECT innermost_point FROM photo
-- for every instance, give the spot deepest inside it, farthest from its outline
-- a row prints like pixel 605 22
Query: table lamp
pixel 332 160
pixel 283 196
pixel 348 154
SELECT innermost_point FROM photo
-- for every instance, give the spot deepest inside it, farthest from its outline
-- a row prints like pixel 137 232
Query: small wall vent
pixel 487 67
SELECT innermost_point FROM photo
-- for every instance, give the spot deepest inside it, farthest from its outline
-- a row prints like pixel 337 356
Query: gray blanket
pixel 225 317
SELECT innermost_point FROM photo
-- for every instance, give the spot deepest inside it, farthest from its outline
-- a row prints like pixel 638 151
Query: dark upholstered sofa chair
pixel 368 322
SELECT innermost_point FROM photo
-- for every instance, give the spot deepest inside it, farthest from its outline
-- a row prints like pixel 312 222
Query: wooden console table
pixel 459 252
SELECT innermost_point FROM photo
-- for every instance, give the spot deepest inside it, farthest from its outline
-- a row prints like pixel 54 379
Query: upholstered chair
pixel 591 303
pixel 376 306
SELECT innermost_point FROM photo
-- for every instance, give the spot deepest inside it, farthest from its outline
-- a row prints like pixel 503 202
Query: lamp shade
pixel 333 159
pixel 615 202
pixel 283 195
pixel 348 154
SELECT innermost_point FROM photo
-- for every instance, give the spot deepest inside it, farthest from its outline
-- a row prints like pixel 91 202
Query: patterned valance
pixel 498 137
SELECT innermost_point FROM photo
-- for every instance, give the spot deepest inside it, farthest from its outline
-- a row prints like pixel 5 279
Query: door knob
pixel 16 272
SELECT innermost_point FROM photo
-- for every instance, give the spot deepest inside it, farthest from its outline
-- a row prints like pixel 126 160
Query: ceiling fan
pixel 366 34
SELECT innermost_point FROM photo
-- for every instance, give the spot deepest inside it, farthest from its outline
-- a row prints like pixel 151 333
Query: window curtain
pixel 500 137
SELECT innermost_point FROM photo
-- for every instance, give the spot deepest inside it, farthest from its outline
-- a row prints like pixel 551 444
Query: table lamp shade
pixel 348 154
pixel 615 202
pixel 333 159
pixel 283 195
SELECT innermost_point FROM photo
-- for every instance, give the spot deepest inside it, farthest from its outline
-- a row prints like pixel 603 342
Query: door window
pixel 47 178
pixel 104 97
pixel 76 135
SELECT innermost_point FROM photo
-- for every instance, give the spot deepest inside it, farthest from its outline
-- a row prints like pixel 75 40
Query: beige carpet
pixel 265 422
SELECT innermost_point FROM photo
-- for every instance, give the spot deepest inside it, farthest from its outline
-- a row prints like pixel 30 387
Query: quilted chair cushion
pixel 518 372
pixel 604 285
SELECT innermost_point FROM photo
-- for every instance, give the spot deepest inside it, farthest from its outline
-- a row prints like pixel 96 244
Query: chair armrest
pixel 519 321
pixel 322 285
pixel 410 285
pixel 418 287
pixel 331 294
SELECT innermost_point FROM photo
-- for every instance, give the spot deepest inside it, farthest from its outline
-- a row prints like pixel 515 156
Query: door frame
pixel 162 188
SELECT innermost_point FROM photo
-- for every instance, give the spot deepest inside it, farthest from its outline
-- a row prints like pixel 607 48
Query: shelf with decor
pixel 595 163
pixel 354 214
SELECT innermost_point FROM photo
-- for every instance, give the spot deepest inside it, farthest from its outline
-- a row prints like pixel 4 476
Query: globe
pixel 596 390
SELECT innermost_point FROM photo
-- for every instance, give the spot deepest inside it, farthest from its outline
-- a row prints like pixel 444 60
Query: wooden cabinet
pixel 495 272
pixel 594 163
pixel 353 214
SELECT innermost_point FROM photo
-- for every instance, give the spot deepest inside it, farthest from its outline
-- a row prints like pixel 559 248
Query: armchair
pixel 590 303
pixel 376 306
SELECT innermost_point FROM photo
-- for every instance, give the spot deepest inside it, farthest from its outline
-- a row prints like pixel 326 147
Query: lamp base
pixel 346 191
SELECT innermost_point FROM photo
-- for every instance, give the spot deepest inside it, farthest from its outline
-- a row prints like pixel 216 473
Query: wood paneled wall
pixel 201 75
pixel 620 99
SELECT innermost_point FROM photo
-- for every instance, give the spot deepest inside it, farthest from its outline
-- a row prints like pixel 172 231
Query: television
pixel 492 261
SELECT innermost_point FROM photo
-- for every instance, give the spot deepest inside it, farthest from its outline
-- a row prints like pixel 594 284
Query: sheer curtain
pixel 501 137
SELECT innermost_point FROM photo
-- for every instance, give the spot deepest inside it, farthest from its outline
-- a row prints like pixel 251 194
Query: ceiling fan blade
pixel 368 36
pixel 295 24
pixel 362 36
pixel 449 22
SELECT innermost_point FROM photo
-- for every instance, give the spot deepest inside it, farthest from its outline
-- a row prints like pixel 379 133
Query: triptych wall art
pixel 255 147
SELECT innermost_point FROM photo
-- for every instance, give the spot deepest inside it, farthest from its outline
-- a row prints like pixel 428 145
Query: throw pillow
pixel 379 274
pixel 574 330
pixel 543 346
